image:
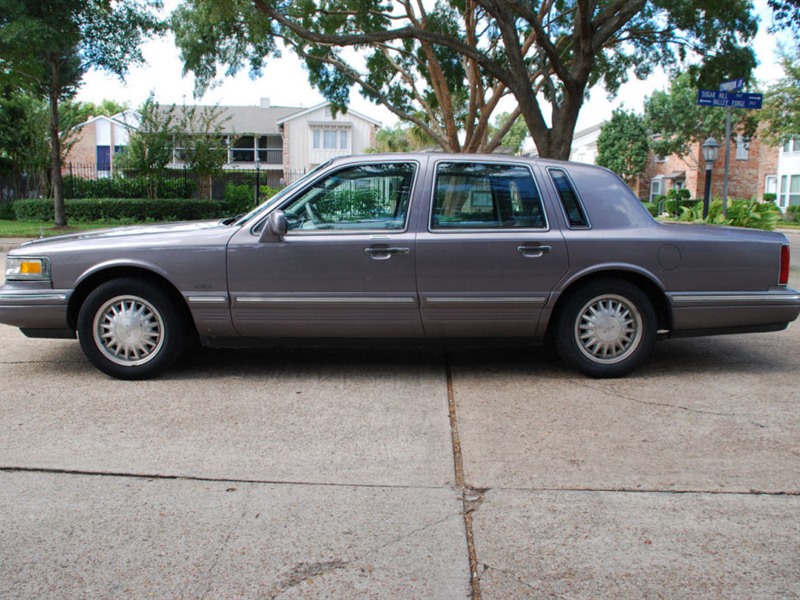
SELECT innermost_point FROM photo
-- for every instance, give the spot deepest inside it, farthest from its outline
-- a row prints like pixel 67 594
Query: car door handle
pixel 534 249
pixel 384 252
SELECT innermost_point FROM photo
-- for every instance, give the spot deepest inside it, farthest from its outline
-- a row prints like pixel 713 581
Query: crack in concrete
pixel 166 477
pixel 303 572
pixel 513 575
pixel 660 404
pixel 227 540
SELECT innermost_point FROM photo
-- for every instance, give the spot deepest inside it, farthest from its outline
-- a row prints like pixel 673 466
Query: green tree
pixel 782 102
pixel 23 137
pixel 623 145
pixel 47 46
pixel 785 14
pixel 151 144
pixel 401 138
pixel 678 123
pixel 511 131
pixel 200 137
pixel 453 62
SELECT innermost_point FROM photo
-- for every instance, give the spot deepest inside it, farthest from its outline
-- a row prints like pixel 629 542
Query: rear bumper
pixel 703 313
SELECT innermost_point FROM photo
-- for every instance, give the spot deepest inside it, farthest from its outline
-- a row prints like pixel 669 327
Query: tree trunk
pixel 55 153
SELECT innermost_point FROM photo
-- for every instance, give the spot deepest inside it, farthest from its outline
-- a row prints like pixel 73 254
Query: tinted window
pixel 485 196
pixel 355 198
pixel 569 199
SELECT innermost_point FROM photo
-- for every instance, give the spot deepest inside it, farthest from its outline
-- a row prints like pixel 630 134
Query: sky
pixel 285 82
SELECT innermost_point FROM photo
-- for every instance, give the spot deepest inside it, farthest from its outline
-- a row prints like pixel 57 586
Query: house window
pixel 793 145
pixel 790 191
pixel 103 161
pixel 742 147
pixel 771 184
pixel 655 189
pixel 330 138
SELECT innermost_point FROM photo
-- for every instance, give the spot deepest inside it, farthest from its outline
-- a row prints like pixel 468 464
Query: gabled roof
pixel 307 111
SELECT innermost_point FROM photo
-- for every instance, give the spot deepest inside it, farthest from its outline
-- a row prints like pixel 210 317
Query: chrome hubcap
pixel 608 329
pixel 128 330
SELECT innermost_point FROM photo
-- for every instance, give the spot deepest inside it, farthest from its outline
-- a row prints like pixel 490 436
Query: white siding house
pixel 788 181
pixel 314 135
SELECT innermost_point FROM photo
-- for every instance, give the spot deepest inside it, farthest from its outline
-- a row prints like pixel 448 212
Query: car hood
pixel 126 232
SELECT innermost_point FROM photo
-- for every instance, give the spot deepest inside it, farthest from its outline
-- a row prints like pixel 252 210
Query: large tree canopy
pixel 47 46
pixel 452 62
pixel 785 14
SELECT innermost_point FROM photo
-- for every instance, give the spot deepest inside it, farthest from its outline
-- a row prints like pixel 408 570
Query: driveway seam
pixel 470 499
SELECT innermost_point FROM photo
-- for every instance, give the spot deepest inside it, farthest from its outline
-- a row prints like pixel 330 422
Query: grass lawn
pixel 33 229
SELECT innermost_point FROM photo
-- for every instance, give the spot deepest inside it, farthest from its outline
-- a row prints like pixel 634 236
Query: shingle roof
pixel 246 119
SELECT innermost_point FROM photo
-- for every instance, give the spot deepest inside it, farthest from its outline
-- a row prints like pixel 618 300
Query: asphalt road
pixel 407 473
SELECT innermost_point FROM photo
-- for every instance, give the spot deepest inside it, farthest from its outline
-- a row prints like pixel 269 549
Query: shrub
pixel 769 197
pixel 741 213
pixel 127 187
pixel 125 209
pixel 7 211
pixel 238 199
pixel 651 207
pixel 792 214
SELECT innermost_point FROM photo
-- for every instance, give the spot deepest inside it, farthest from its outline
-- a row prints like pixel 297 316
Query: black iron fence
pixel 86 181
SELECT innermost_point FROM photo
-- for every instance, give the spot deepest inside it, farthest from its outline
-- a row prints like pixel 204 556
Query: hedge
pixel 128 209
pixel 127 187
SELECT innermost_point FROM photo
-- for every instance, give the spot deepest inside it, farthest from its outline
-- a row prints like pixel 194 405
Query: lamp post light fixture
pixel 710 150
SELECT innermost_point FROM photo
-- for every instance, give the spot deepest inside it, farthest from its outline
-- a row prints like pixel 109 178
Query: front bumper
pixel 34 310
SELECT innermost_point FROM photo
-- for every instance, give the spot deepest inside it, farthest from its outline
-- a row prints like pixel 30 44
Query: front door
pixel 345 268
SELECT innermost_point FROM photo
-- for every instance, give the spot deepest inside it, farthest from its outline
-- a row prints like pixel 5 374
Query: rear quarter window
pixel 568 196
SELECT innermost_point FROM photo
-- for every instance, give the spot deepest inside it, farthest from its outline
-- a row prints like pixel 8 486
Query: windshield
pixel 279 196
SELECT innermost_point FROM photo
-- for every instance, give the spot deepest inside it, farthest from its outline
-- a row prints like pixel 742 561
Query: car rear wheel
pixel 606 329
pixel 130 329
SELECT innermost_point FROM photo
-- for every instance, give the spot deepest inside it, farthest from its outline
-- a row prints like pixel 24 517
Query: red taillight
pixel 784 279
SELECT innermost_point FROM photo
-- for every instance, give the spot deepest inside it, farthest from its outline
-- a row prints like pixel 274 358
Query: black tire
pixel 130 329
pixel 606 329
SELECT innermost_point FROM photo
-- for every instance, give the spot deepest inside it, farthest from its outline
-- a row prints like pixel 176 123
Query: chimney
pixel 265 103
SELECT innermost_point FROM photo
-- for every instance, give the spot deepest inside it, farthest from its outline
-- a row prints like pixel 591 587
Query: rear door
pixel 489 257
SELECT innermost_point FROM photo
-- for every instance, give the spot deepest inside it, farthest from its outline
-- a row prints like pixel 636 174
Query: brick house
pixel 755 168
pixel 752 170
pixel 99 139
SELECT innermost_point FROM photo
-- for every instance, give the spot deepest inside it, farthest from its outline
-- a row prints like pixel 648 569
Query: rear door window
pixel 485 196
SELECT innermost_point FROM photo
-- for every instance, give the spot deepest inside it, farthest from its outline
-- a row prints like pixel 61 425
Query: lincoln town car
pixel 414 248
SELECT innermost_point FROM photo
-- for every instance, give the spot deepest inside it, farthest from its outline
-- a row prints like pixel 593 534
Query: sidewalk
pixel 7 244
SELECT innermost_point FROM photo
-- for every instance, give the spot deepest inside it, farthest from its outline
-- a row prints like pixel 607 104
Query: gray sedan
pixel 416 247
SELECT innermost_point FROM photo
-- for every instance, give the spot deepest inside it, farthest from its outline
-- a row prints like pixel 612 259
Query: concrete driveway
pixel 402 473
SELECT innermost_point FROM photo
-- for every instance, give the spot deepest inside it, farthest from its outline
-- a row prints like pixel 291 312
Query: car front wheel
pixel 606 329
pixel 130 329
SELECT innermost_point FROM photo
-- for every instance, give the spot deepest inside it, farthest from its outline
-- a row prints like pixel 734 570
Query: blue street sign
pixel 729 99
pixel 732 86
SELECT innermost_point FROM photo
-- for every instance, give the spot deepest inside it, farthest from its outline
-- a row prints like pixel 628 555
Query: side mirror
pixel 275 227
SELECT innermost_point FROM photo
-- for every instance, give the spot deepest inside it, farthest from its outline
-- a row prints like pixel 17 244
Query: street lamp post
pixel 710 153
pixel 257 195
